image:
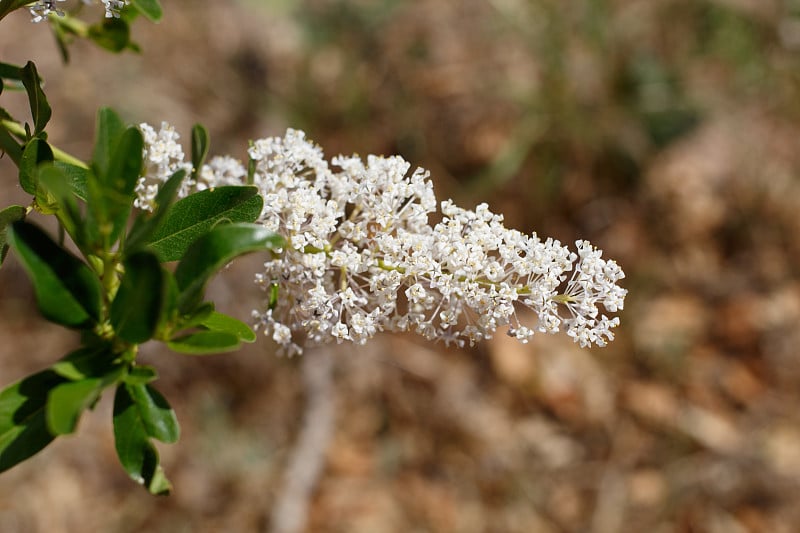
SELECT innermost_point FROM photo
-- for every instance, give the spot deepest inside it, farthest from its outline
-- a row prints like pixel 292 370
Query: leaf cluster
pixel 117 290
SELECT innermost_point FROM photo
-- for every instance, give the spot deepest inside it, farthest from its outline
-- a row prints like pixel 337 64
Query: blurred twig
pixel 290 513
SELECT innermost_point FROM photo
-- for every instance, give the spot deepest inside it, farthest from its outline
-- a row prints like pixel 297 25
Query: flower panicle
pixel 41 9
pixel 362 257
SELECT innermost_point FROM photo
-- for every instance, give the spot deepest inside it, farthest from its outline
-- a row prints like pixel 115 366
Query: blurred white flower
pixel 42 8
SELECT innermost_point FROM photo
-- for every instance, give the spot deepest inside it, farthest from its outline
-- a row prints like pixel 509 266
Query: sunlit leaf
pixel 196 214
pixel 205 343
pixel 23 428
pixel 67 401
pixel 224 323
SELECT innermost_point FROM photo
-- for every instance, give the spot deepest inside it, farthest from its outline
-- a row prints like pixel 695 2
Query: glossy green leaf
pixel 108 131
pixel 213 251
pixel 157 416
pixel 35 153
pixel 205 343
pixel 136 309
pixel 67 401
pixel 113 34
pixel 141 375
pixel 23 428
pixel 196 214
pixel 40 109
pixel 149 8
pixel 146 224
pixel 136 453
pixel 67 290
pixel 222 322
pixel 7 216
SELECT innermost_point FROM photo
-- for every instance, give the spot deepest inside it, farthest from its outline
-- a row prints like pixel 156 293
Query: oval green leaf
pixel 67 291
pixel 158 418
pixel 136 453
pixel 214 250
pixel 36 152
pixel 40 109
pixel 67 401
pixel 224 323
pixel 136 309
pixel 197 213
pixel 205 343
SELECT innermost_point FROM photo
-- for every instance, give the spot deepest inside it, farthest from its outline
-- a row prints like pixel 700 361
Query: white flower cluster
pixel 163 156
pixel 42 8
pixel 362 257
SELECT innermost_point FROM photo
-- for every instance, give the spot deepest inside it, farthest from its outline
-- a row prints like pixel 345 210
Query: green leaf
pixel 9 145
pixel 205 343
pixel 35 153
pixel 158 418
pixel 199 148
pixel 141 375
pixel 149 8
pixel 110 188
pixel 136 309
pixel 120 182
pixel 113 34
pixel 40 109
pixel 147 224
pixel 108 131
pixel 76 177
pixel 224 323
pixel 87 362
pixel 213 251
pixel 137 454
pixel 10 72
pixel 7 216
pixel 67 401
pixel 55 184
pixel 23 428
pixel 67 291
pixel 169 306
pixel 197 213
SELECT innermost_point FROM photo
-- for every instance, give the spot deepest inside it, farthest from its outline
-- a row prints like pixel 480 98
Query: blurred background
pixel 667 132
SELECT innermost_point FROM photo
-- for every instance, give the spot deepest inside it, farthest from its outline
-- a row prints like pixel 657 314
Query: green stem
pixel 60 155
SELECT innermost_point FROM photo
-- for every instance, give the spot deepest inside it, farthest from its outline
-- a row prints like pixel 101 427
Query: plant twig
pixel 290 513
